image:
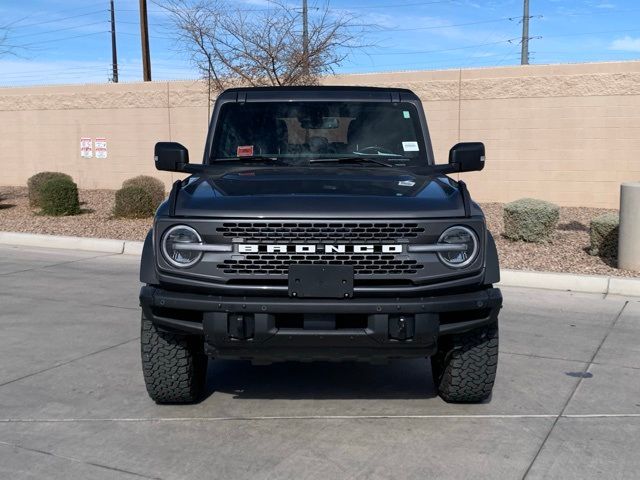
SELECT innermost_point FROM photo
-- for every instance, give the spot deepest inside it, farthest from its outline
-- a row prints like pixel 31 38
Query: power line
pixel 49 14
pixel 510 40
pixel 393 5
pixel 47 32
pixel 605 12
pixel 590 33
pixel 61 39
pixel 61 19
pixel 467 59
pixel 395 29
pixel 49 71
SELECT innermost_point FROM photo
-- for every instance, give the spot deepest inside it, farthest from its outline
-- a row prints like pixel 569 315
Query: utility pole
pixel 524 57
pixel 114 50
pixel 144 38
pixel 305 38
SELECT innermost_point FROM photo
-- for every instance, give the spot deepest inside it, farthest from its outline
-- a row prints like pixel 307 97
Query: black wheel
pixel 174 366
pixel 464 368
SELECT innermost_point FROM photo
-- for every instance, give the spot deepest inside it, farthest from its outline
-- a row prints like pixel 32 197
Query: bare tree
pixel 232 44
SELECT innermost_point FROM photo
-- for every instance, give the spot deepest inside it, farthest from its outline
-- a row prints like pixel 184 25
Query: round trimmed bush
pixel 604 235
pixel 152 185
pixel 530 220
pixel 134 202
pixel 37 181
pixel 59 196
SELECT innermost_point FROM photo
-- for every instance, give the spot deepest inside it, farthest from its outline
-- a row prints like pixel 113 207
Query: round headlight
pixel 175 246
pixel 466 247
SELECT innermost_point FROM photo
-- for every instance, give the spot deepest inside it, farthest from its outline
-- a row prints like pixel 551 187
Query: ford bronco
pixel 319 227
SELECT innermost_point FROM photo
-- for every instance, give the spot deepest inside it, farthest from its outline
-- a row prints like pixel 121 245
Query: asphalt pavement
pixel 73 403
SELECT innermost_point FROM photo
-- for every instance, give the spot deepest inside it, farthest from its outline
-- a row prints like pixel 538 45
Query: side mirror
pixel 467 157
pixel 170 156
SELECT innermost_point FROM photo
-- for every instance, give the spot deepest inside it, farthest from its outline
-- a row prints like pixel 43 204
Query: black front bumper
pixel 251 327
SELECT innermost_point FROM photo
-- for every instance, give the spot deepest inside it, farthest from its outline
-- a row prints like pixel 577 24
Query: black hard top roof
pixel 319 92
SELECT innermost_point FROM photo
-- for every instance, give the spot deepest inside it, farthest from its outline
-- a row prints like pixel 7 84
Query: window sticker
pixel 406 114
pixel 410 146
pixel 245 151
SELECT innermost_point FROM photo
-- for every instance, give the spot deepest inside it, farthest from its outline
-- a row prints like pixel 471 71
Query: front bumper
pixel 259 328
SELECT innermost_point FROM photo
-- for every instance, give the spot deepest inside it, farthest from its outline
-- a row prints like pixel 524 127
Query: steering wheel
pixel 374 149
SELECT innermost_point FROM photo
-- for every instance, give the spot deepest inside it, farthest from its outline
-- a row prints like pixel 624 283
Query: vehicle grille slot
pixel 264 232
pixel 259 264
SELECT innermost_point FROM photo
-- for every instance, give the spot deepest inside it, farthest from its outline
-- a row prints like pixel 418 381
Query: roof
pixel 319 92
pixel 329 88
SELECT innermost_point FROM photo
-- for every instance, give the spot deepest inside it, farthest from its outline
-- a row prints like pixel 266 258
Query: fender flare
pixel 492 266
pixel 148 261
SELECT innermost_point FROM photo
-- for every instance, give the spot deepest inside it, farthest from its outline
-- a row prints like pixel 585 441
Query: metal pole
pixel 144 38
pixel 524 57
pixel 114 50
pixel 305 38
pixel 629 233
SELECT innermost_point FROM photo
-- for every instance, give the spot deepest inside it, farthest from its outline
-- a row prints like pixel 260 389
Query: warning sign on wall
pixel 101 148
pixel 86 147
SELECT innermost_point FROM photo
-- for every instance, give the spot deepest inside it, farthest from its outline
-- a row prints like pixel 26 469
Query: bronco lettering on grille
pixel 277 248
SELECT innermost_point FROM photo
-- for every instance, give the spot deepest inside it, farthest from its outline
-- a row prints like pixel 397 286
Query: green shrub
pixel 134 202
pixel 59 196
pixel 37 181
pixel 530 220
pixel 604 235
pixel 150 184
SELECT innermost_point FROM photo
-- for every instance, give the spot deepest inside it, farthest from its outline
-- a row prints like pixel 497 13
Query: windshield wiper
pixel 350 160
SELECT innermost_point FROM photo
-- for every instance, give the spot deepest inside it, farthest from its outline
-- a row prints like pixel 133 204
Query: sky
pixel 68 41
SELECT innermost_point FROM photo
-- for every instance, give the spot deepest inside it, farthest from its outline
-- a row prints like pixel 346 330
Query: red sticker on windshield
pixel 245 151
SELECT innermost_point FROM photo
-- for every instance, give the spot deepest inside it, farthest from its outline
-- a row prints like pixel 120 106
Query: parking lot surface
pixel 73 402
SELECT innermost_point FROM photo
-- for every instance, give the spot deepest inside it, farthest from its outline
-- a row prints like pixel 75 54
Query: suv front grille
pixel 363 264
pixel 347 232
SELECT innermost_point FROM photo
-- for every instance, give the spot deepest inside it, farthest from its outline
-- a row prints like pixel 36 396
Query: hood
pixel 320 193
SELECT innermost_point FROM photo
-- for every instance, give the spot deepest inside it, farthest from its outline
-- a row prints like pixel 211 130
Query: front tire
pixel 173 365
pixel 464 368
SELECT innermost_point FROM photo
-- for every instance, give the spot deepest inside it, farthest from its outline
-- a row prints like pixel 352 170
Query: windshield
pixel 301 132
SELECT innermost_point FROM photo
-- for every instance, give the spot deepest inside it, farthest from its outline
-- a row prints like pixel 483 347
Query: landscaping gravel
pixel 567 251
pixel 96 221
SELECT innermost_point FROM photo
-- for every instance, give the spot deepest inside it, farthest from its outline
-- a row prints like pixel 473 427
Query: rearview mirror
pixel 170 156
pixel 467 157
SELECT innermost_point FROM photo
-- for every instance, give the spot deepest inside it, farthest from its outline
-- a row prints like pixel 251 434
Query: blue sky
pixel 67 41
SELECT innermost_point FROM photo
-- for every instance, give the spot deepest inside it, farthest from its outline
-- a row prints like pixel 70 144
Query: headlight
pixel 467 251
pixel 178 236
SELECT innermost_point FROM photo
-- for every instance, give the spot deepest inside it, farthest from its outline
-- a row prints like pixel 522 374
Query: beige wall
pixel 566 133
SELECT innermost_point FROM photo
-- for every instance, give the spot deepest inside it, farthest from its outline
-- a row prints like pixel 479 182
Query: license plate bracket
pixel 321 281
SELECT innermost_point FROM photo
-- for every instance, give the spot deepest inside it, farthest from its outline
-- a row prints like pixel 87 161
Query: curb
pixel 557 281
pixel 509 278
pixel 102 245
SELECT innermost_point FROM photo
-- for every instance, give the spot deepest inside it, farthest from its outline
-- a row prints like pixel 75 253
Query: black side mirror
pixel 170 156
pixel 467 157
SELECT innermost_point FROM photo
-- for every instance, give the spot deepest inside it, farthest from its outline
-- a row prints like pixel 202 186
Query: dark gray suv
pixel 318 227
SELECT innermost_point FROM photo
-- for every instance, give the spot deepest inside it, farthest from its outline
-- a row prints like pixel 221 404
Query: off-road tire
pixel 464 368
pixel 174 366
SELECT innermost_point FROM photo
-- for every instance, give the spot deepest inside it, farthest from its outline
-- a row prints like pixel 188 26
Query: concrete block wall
pixel 569 134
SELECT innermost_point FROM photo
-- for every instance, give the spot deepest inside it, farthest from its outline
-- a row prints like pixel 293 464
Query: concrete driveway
pixel 73 403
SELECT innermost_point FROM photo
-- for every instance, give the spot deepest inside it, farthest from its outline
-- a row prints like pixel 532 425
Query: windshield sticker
pixel 406 183
pixel 410 146
pixel 406 114
pixel 245 151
